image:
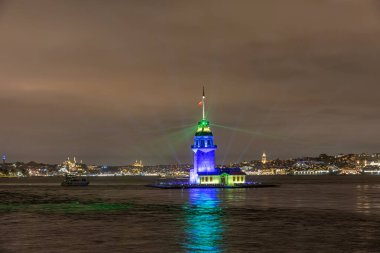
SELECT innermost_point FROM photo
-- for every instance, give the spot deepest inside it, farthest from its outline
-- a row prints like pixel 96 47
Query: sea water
pixel 120 214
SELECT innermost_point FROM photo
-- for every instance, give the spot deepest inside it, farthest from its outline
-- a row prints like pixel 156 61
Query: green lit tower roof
pixel 203 128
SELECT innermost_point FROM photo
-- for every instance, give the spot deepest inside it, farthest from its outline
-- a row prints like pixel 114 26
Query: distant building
pixel 373 163
pixel 350 171
pixel 138 164
pixel 372 170
pixel 3 166
pixel 69 166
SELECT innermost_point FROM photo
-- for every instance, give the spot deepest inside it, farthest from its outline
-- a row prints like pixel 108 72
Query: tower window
pixel 233 179
pixel 210 179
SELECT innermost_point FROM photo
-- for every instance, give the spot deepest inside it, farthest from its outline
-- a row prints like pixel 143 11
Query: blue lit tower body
pixel 204 149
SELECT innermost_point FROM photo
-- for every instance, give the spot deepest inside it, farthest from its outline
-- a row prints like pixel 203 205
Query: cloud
pixel 108 80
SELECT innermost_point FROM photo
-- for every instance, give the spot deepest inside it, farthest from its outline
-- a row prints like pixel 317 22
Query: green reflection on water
pixel 204 226
pixel 73 207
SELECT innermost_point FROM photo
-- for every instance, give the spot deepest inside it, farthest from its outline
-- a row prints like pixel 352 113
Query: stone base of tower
pixel 184 185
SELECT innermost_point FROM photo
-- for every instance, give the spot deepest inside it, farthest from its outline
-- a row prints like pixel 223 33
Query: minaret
pixel 203 148
pixel 264 158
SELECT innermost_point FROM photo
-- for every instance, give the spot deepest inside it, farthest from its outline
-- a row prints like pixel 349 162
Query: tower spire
pixel 203 104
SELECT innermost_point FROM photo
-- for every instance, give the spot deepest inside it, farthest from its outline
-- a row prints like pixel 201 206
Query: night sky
pixel 115 81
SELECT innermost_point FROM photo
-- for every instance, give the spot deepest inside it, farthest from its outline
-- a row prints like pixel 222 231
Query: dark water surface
pixel 119 214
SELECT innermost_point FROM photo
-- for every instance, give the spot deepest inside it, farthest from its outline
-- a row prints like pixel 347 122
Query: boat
pixel 71 180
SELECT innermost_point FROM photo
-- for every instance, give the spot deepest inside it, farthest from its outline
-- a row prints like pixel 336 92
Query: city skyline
pixel 81 79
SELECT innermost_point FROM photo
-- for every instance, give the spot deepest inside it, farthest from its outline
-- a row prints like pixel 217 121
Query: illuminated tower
pixel 264 158
pixel 203 148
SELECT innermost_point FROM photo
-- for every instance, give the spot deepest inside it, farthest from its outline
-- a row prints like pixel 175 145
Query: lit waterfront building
pixel 204 171
pixel 350 171
pixel 373 163
pixel 372 168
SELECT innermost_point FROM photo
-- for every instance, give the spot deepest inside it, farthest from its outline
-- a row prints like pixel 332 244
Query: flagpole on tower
pixel 203 104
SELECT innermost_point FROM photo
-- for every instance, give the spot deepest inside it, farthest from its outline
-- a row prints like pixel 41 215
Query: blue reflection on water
pixel 204 226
